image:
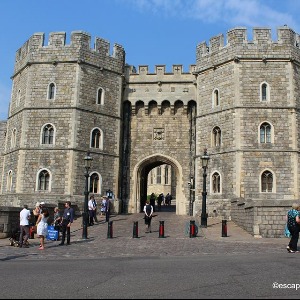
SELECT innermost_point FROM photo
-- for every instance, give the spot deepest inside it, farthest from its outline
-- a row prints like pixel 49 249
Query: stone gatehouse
pixel 239 100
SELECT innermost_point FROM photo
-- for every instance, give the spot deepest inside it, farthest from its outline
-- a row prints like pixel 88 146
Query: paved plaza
pixel 176 241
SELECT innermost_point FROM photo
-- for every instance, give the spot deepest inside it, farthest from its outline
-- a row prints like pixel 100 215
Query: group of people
pixel 41 216
pixel 104 210
pixel 61 222
pixel 161 199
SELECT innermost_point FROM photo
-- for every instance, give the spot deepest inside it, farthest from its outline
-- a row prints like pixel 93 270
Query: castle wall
pixel 171 121
pixel 77 72
pixel 242 158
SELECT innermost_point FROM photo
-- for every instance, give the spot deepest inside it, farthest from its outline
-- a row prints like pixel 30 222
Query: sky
pixel 152 32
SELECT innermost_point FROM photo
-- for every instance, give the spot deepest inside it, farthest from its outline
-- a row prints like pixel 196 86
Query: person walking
pixel 293 223
pixel 24 226
pixel 42 227
pixel 67 220
pixel 148 210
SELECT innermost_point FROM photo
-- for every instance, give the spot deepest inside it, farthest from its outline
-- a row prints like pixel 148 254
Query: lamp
pixel 87 164
pixel 204 159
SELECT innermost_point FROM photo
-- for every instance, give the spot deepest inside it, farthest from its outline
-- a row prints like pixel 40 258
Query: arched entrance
pixel 141 172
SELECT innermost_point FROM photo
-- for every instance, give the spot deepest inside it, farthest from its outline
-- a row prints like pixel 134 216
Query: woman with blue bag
pixel 293 221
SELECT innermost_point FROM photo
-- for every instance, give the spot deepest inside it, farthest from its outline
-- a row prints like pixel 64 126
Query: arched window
pixel 166 174
pixel 178 107
pixel 152 108
pixel 216 137
pixel 100 96
pixel 9 181
pixel 165 108
pixel 43 180
pixel 158 175
pixel 51 91
pixel 48 134
pixel 215 98
pixel 265 133
pixel 13 140
pixel 96 138
pixel 267 182
pixel 139 109
pixel 95 183
pixel 264 92
pixel 216 183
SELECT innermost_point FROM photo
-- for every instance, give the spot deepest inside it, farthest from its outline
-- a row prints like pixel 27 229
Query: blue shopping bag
pixel 52 234
pixel 287 232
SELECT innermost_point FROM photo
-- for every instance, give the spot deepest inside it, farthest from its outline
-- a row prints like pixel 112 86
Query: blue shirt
pixel 292 214
pixel 69 214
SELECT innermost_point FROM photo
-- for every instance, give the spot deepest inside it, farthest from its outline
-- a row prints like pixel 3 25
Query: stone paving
pixel 176 241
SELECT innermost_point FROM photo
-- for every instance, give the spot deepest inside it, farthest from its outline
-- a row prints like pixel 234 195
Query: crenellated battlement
pixel 35 49
pixel 237 43
pixel 160 70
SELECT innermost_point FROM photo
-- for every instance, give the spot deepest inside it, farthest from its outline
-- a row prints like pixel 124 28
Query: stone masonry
pixel 224 104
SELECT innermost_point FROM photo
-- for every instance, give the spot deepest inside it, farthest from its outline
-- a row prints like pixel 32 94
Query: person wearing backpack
pixel 148 210
pixel 293 224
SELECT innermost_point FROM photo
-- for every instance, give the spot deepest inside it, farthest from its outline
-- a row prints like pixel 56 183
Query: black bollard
pixel 110 230
pixel 161 229
pixel 135 232
pixel 224 228
pixel 192 229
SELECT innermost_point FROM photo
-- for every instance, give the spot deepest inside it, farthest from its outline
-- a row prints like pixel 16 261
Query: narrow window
pixel 265 133
pixel 94 183
pixel 264 92
pixel 158 175
pixel 18 98
pixel 48 134
pixel 151 177
pixel 100 96
pixel 216 186
pixel 217 137
pixel 167 175
pixel 216 98
pixel 44 179
pixel 9 181
pixel 13 140
pixel 96 135
pixel 267 182
pixel 51 91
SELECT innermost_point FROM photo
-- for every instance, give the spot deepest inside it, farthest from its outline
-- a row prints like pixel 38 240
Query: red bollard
pixel 31 232
pixel 192 229
pixel 161 229
pixel 224 228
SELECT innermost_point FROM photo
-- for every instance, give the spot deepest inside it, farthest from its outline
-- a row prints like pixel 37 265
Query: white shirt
pixel 24 217
pixel 91 204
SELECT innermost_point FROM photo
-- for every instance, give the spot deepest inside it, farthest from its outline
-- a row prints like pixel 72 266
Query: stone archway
pixel 140 173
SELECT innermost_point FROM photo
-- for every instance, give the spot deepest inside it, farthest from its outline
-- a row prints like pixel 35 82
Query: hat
pixel 42 203
pixel 37 204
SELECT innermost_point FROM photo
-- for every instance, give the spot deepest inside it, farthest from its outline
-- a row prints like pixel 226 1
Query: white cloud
pixel 232 12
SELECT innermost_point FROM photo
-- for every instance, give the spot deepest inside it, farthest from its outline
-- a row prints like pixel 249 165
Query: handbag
pixel 287 232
